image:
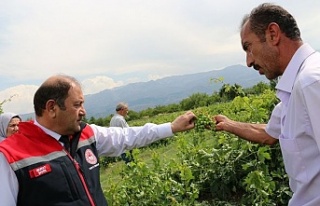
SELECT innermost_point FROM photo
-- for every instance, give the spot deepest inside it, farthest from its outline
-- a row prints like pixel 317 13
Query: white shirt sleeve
pixel 274 125
pixel 8 183
pixel 113 141
pixel 312 100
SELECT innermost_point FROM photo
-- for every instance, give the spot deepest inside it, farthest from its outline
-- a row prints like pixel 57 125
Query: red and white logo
pixel 90 157
pixel 39 171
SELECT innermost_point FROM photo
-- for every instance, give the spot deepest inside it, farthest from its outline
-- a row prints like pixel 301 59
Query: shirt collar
pixel 48 131
pixel 289 76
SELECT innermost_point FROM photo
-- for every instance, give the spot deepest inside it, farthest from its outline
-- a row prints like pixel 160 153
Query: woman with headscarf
pixel 9 124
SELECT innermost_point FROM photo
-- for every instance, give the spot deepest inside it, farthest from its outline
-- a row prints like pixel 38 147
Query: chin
pixel 270 76
pixel 76 129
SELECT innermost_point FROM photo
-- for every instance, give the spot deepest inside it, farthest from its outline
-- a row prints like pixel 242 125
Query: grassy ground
pixel 113 172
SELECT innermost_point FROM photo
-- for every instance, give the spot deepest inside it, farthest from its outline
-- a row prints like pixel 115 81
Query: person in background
pixel 55 160
pixel 118 120
pixel 271 39
pixel 9 124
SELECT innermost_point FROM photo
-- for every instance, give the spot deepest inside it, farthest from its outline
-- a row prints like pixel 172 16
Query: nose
pixel 249 60
pixel 82 111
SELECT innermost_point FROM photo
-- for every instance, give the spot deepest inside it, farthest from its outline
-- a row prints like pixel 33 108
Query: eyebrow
pixel 16 124
pixel 245 46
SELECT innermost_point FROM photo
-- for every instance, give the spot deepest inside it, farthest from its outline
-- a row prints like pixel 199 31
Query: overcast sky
pixel 106 43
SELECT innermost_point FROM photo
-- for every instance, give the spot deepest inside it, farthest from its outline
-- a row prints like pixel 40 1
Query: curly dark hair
pixel 261 16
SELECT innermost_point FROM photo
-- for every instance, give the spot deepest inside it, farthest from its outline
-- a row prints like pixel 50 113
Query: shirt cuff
pixel 165 130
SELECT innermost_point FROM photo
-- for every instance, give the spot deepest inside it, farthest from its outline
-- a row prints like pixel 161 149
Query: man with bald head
pixel 54 159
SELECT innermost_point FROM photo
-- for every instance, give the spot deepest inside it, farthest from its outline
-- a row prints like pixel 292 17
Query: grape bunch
pixel 203 122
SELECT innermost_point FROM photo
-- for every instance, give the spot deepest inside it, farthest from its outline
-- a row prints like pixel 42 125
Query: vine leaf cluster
pixel 203 122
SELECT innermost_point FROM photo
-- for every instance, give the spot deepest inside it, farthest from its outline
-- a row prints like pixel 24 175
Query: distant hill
pixel 168 90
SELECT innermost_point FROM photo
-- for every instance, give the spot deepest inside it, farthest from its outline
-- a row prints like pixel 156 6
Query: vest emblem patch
pixel 90 157
pixel 39 171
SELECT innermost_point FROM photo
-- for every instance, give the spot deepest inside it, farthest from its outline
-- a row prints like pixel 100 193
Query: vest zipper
pixel 80 173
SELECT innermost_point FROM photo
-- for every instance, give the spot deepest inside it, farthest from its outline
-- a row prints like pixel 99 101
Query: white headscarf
pixel 5 118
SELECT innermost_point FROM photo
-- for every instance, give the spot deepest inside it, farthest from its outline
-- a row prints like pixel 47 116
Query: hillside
pixel 168 90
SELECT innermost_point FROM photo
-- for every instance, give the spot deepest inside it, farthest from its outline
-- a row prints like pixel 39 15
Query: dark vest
pixel 48 175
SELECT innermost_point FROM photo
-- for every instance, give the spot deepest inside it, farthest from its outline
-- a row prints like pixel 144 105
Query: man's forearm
pixel 251 132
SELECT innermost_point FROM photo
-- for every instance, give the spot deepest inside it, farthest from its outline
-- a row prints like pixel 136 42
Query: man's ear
pixel 51 107
pixel 273 33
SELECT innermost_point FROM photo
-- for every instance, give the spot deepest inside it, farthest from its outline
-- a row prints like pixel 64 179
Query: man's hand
pixel 183 122
pixel 221 122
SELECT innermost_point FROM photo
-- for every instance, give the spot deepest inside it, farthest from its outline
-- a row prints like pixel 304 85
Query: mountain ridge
pixel 168 90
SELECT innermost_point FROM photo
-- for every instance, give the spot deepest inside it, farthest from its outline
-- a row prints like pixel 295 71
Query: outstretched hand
pixel 221 122
pixel 183 122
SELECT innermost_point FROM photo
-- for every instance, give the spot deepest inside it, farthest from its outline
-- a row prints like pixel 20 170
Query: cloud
pixel 113 43
pixel 18 99
pixel 112 38
pixel 99 83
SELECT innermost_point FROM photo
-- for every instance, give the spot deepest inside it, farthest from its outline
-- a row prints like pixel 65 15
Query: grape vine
pixel 204 122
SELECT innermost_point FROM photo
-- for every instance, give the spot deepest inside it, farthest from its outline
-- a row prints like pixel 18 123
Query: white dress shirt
pixel 296 123
pixel 111 141
pixel 118 121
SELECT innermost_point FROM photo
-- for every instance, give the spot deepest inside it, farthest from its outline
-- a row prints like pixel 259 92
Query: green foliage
pixel 157 185
pixel 258 88
pixel 210 168
pixel 229 92
pixel 194 101
pixel 132 115
pixel 204 121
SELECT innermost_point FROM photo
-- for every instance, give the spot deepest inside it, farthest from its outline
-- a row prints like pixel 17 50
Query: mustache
pixel 256 67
